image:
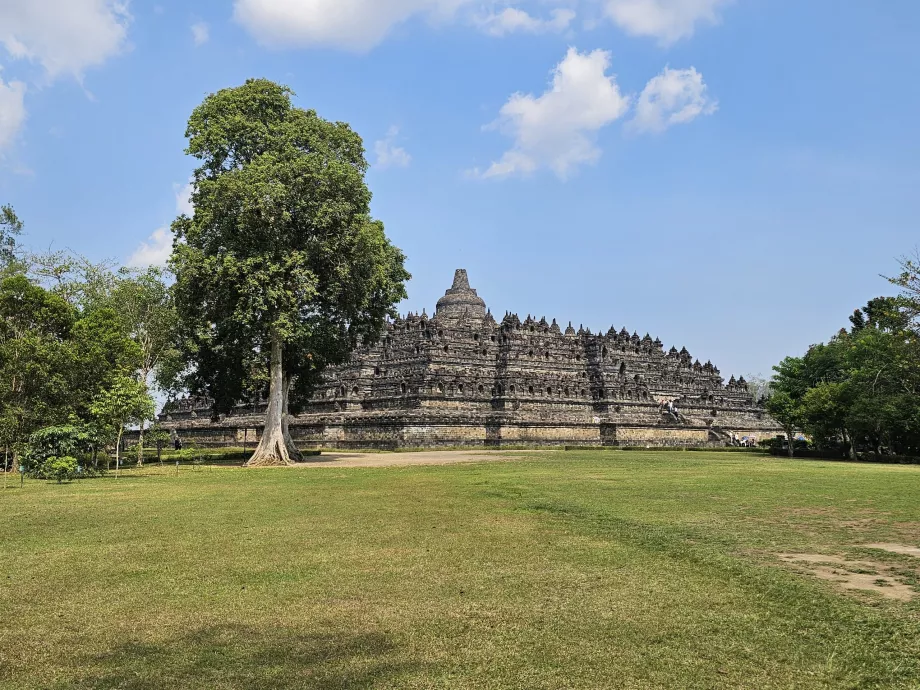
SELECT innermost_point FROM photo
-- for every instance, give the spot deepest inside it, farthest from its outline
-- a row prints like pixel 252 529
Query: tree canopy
pixel 281 269
pixel 70 332
pixel 861 389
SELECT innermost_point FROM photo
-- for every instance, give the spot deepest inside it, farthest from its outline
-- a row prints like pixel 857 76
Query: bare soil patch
pixel 896 548
pixel 862 575
pixel 428 457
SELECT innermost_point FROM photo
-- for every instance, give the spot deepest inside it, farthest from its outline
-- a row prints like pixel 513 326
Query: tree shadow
pixel 238 656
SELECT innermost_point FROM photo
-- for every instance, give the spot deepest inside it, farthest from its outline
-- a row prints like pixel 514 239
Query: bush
pixel 66 441
pixel 60 468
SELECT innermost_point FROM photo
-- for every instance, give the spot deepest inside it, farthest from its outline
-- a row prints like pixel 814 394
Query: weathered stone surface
pixel 462 378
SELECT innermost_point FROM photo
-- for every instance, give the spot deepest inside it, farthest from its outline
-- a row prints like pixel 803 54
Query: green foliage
pixel 59 468
pixel 54 358
pixel 909 282
pixel 127 401
pixel 64 440
pixel 10 229
pixel 143 305
pixel 35 359
pixel 281 247
pixel 70 329
pixel 861 389
pixel 159 438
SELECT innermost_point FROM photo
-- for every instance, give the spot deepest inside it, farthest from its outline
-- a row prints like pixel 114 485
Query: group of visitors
pixel 669 407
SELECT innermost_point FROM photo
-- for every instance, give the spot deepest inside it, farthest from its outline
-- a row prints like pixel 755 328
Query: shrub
pixel 60 468
pixel 66 441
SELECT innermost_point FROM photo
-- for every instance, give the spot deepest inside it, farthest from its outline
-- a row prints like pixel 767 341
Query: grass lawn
pixel 557 570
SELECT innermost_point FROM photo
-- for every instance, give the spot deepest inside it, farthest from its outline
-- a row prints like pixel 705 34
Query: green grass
pixel 569 569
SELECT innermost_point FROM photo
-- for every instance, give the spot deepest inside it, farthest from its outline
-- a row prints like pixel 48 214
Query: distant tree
pixel 160 438
pixel 10 229
pixel 785 410
pixel 64 273
pixel 759 387
pixel 102 350
pixel 126 402
pixel 143 303
pixel 281 260
pixel 142 300
pixel 909 282
pixel 862 387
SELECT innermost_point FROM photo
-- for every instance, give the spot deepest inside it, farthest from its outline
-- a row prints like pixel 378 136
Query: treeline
pixel 80 346
pixel 859 393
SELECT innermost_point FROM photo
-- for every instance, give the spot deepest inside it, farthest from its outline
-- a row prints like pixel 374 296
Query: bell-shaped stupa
pixel 461 300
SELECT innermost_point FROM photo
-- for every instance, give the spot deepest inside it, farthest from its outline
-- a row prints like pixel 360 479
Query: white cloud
pixel 673 97
pixel 512 19
pixel 184 199
pixel 666 20
pixel 64 36
pixel 360 25
pixel 558 129
pixel 12 111
pixel 200 33
pixel 388 154
pixel 352 24
pixel 155 251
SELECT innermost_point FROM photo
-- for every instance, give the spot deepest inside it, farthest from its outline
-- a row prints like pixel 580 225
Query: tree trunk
pixel 140 446
pixel 790 435
pixel 293 451
pixel 272 450
pixel 118 452
pixel 848 438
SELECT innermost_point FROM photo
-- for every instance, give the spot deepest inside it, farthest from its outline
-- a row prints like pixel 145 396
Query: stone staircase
pixel 719 436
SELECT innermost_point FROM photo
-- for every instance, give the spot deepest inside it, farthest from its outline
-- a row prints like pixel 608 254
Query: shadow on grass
pixel 236 656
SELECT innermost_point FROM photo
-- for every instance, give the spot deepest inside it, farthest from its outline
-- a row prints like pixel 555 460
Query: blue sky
pixel 729 175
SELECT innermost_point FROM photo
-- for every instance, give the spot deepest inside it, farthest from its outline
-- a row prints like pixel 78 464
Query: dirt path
pixel 427 457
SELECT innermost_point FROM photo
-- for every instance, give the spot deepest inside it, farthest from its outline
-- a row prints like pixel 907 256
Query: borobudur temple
pixel 461 378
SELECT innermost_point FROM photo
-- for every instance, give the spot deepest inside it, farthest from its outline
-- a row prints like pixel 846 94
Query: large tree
pixel 281 263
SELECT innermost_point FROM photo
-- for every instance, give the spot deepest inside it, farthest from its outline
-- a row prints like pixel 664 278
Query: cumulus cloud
pixel 65 36
pixel 389 155
pixel 513 19
pixel 184 204
pixel 673 97
pixel 12 111
pixel 558 129
pixel 360 25
pixel 666 20
pixel 200 33
pixel 352 24
pixel 155 251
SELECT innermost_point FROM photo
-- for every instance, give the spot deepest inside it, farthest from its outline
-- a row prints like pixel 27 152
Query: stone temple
pixel 461 378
